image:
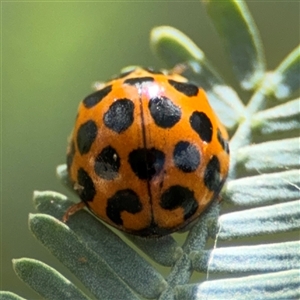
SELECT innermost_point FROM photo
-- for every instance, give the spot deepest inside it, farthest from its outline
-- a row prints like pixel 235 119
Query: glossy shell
pixel 147 154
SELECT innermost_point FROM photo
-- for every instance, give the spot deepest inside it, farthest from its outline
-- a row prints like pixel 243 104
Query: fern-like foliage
pixel 260 197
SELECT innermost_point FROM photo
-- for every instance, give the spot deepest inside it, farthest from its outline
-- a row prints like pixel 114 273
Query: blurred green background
pixel 51 54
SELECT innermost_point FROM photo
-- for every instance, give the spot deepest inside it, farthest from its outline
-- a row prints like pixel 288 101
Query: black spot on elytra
pixel 123 200
pixel 212 175
pixel 186 156
pixel 96 97
pixel 201 123
pixel 70 154
pixel 146 163
pixel 222 142
pixel 164 112
pixel 138 80
pixel 86 136
pixel 185 88
pixel 178 196
pixel 86 188
pixel 119 116
pixel 107 163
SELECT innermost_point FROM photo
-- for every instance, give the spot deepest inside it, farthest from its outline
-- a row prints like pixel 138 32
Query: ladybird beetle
pixel 147 154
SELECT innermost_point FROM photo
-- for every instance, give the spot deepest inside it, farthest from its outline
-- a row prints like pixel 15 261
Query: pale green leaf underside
pixel 261 258
pixel 260 221
pixel 272 156
pixel 272 286
pixel 269 189
pixel 282 121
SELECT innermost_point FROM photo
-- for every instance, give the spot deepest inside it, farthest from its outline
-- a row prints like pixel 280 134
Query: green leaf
pixel 241 39
pixel 272 286
pixel 282 121
pixel 259 221
pixel 269 157
pixel 164 250
pixel 136 272
pixel 261 258
pixel 269 189
pixel 94 273
pixel 181 271
pixel 46 281
pixel 172 46
pixel 202 228
pixel 180 274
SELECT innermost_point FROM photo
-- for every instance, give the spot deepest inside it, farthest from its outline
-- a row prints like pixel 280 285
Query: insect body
pixel 147 154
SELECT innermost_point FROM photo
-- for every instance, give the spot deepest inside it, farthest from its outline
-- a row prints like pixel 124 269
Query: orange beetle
pixel 147 154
